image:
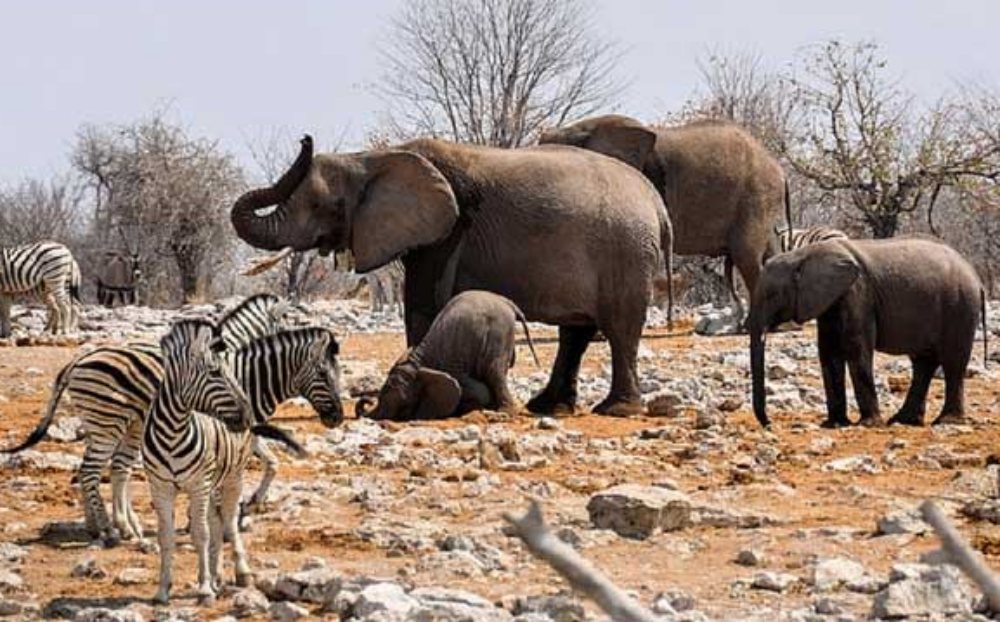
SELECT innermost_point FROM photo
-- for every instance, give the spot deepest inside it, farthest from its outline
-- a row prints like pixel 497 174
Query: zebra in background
pixel 793 239
pixel 111 388
pixel 257 316
pixel 76 303
pixel 117 278
pixel 385 286
pixel 43 270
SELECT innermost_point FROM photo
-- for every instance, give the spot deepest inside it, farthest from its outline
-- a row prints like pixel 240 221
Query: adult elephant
pixel 574 238
pixel 723 190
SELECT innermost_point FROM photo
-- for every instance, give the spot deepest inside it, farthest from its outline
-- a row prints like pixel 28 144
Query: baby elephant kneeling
pixel 460 365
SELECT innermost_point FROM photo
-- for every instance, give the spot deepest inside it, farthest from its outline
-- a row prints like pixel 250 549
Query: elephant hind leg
pixel 954 366
pixel 624 332
pixel 560 393
pixel 914 406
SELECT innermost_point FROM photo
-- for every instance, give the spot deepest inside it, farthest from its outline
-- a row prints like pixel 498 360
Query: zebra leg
pixel 164 496
pixel 52 325
pixel 215 538
pixel 124 459
pixel 229 506
pixel 200 499
pixel 265 455
pixel 94 458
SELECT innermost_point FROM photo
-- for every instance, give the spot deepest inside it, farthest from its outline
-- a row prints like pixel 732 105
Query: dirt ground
pixel 814 505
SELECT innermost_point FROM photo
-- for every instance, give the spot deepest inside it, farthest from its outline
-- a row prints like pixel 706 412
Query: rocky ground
pixel 693 509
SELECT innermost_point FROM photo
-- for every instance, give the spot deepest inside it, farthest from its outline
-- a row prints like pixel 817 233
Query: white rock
pixel 102 614
pixel 923 590
pixel 900 522
pixel 383 597
pixel 249 602
pixel 10 581
pixel 285 611
pixel 635 511
pixel 831 573
pixel 132 576
pixel 773 581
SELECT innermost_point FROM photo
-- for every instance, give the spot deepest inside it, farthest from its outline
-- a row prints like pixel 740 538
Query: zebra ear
pixel 333 349
pixel 318 349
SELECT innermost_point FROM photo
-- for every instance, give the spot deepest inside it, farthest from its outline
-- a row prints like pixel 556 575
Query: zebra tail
pixel 274 433
pixel 62 381
pixel 527 333
pixel 982 310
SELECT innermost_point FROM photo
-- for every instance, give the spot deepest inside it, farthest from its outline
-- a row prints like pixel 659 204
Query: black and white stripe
pixel 42 270
pixel 190 452
pixel 794 239
pixel 111 388
pixel 257 316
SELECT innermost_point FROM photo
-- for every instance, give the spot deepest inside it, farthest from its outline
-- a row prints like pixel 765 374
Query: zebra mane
pixel 183 331
pixel 292 336
pixel 262 300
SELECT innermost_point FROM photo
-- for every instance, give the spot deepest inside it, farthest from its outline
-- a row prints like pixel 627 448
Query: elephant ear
pixel 406 203
pixel 825 275
pixel 630 144
pixel 439 394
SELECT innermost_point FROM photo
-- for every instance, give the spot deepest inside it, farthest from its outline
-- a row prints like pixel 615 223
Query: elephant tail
pixel 667 248
pixel 527 333
pixel 788 206
pixel 982 311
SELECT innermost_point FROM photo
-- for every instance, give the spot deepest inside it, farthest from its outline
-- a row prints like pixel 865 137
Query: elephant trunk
pixel 757 345
pixel 366 408
pixel 264 232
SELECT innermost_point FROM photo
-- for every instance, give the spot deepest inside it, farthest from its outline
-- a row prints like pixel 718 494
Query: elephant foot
pixel 874 421
pixel 951 418
pixel 618 407
pixel 907 417
pixel 831 424
pixel 546 404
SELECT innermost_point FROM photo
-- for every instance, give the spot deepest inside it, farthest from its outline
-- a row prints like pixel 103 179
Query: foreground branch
pixel 582 576
pixel 962 554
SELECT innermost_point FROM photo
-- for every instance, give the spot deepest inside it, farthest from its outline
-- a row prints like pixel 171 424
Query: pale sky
pixel 236 70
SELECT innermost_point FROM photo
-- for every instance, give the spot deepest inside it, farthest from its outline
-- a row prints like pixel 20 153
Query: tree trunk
pixel 883 225
pixel 193 287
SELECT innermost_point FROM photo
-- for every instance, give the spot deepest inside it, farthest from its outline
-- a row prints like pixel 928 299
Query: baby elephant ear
pixel 439 394
pixel 629 144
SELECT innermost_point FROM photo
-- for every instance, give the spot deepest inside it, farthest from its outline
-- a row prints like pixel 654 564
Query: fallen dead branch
pixel 582 576
pixel 263 264
pixel 961 554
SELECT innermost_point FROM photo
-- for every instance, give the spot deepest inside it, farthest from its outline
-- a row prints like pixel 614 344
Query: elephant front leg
pixel 860 353
pixel 476 395
pixel 560 393
pixel 831 360
pixel 915 405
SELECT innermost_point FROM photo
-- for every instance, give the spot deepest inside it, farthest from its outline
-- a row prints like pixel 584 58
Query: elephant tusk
pixel 260 265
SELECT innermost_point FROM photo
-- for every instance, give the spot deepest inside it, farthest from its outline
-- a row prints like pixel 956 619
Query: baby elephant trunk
pixel 365 407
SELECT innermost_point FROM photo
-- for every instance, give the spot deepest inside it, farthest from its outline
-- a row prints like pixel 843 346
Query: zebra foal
pixel 202 456
pixel 43 270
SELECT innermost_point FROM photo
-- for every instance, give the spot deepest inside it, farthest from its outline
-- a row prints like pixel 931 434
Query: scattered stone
pixel 383 597
pixel 10 581
pixel 12 553
pixel 449 605
pixel 664 404
pixel 831 573
pixel 103 614
pixel 18 606
pixel 780 370
pixel 558 607
pixel 750 557
pixel 773 581
pixel 853 464
pixel 132 576
pixel 917 589
pixel 901 522
pixel 634 511
pixel 249 602
pixel 88 568
pixel 284 611
pixel 318 585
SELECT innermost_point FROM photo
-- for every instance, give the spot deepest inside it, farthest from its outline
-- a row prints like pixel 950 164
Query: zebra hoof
pixel 244 579
pixel 205 600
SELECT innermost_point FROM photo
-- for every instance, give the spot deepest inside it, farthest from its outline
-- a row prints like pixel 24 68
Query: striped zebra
pixel 76 303
pixel 202 456
pixel 257 316
pixel 111 388
pixel 793 239
pixel 385 286
pixel 43 270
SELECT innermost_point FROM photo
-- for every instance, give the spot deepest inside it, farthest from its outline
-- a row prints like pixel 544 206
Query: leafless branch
pixel 574 568
pixel 962 554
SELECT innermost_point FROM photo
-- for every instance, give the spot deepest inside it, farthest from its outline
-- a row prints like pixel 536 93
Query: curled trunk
pixel 365 407
pixel 265 231
pixel 757 344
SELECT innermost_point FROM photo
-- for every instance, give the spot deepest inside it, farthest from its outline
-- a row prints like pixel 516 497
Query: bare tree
pixel 862 138
pixel 494 72
pixel 168 193
pixel 35 210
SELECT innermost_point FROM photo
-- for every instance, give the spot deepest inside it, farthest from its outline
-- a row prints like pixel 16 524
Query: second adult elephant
pixel 573 238
pixel 117 278
pixel 723 190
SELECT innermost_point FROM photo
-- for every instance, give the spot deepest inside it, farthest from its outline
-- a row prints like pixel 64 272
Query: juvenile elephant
pixel 460 365
pixel 723 189
pixel 913 296
pixel 573 238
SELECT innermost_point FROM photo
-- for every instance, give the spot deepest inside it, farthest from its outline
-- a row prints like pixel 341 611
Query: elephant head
pixel 377 204
pixel 412 391
pixel 614 135
pixel 800 285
